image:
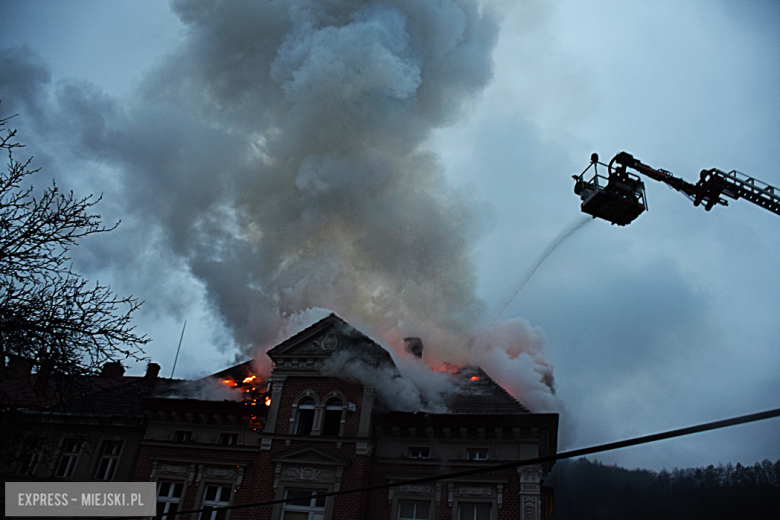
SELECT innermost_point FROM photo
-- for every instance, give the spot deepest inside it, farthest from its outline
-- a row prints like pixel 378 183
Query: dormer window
pixel 182 436
pixel 476 454
pixel 68 458
pixel 229 439
pixel 419 453
pixel 331 425
pixel 109 460
pixel 304 418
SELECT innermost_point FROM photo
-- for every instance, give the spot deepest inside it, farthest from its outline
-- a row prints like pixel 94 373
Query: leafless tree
pixel 48 313
pixel 54 320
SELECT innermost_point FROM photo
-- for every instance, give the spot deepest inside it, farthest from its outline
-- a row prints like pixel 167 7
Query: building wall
pixel 400 437
pixel 92 436
pixel 198 444
pixel 320 387
pixel 320 462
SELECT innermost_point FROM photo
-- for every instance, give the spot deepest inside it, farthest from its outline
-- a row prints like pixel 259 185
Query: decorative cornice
pixel 530 474
pixel 475 491
pixel 171 468
pixel 173 460
pixel 308 474
pixel 225 473
pixel 414 488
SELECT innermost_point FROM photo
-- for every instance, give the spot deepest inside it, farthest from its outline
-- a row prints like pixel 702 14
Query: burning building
pixel 330 418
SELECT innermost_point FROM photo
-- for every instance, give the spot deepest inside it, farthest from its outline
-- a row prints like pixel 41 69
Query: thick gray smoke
pixel 332 203
pixel 277 155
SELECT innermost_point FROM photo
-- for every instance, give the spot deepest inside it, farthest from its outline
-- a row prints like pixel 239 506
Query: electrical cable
pixel 743 419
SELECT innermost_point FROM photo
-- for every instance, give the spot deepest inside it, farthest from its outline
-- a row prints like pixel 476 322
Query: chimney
pixel 18 367
pixel 414 346
pixel 43 376
pixel 113 370
pixel 152 369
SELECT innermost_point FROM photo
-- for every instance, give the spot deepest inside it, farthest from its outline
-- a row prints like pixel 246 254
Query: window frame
pixel 486 450
pixel 470 501
pixel 168 499
pixel 30 455
pixel 228 436
pixel 341 411
pixel 214 513
pixel 72 457
pixel 415 501
pixel 423 449
pixel 310 509
pixel 309 407
pixel 474 503
pixel 182 436
pixel 113 458
pixel 425 493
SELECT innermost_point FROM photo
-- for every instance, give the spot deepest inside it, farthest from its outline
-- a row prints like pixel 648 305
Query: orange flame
pixel 474 378
pixel 268 401
pixel 249 379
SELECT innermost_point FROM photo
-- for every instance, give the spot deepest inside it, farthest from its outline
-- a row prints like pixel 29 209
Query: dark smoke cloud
pixel 277 155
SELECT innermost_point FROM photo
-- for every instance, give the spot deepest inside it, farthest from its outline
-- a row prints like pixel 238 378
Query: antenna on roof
pixel 178 349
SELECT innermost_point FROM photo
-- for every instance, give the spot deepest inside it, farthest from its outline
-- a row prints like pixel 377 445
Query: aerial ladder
pixel 620 197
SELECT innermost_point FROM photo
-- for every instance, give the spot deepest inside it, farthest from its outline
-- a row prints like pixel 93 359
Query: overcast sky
pixel 418 200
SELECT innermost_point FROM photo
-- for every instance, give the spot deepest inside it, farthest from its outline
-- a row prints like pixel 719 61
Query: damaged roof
pixel 480 395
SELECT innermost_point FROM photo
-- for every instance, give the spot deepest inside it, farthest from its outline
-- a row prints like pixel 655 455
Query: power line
pixel 743 419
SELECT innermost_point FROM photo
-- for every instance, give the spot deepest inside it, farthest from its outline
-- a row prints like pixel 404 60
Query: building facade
pixel 326 429
pixel 88 428
pixel 324 422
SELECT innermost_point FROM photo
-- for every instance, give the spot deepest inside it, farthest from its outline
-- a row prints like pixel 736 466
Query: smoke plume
pixel 277 155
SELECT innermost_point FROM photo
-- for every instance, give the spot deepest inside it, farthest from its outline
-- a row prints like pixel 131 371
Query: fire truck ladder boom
pixel 737 184
pixel 622 198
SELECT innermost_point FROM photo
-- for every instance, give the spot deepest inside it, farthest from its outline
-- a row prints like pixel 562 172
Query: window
pixel 228 438
pixel 305 504
pixel 413 510
pixel 68 458
pixel 419 453
pixel 331 425
pixel 215 496
pixel 304 418
pixel 182 436
pixel 476 454
pixel 109 458
pixel 29 458
pixel 168 498
pixel 473 511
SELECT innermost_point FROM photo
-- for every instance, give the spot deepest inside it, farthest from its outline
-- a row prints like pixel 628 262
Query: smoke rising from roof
pixel 277 154
pixel 414 388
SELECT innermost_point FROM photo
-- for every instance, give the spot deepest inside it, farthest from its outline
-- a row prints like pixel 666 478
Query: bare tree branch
pixel 48 313
pixel 51 318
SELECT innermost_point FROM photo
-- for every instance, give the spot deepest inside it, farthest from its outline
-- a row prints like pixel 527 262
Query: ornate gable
pixel 309 455
pixel 308 465
pixel 307 350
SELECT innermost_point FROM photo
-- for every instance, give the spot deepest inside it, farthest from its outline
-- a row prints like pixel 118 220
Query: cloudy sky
pixel 405 164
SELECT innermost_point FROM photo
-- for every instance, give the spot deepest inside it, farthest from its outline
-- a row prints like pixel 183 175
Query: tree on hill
pixel 586 489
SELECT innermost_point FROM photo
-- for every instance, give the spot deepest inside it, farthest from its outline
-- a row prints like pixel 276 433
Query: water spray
pixel 563 235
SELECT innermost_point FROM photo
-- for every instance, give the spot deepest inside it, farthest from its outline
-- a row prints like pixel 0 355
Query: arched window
pixel 304 418
pixel 331 424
